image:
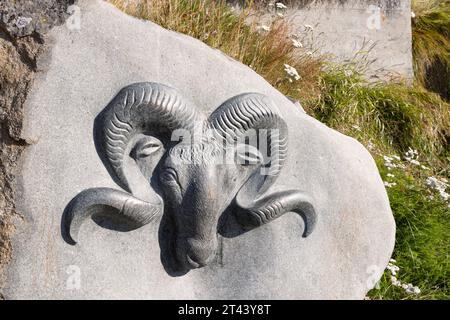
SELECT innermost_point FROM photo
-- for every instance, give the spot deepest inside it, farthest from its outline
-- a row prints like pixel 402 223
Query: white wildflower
pixel 389 184
pixel 263 27
pixel 390 175
pixel 408 287
pixel 393 268
pixel 389 162
pixel 291 72
pixel 395 281
pixel 411 156
pixel 280 5
pixel 411 153
pixel 413 15
pixel 296 43
pixel 439 185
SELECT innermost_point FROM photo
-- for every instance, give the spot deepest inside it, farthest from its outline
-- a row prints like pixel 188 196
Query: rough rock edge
pixel 23 18
pixel 19 51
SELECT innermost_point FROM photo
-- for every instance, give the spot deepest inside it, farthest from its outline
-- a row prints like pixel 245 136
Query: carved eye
pixel 248 155
pixel 146 147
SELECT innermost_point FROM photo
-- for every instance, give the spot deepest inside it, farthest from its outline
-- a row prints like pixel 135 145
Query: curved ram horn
pixel 96 200
pixel 256 111
pixel 251 214
pixel 147 107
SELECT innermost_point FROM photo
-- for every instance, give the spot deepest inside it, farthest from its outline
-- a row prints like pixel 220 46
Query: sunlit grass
pixel 422 245
pixel 391 116
pixel 214 23
pixel 431 44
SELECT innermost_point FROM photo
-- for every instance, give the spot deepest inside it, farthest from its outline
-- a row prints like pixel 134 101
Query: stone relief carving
pixel 173 161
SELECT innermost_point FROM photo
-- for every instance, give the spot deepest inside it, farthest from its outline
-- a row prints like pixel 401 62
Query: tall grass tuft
pixel 431 45
pixel 422 241
pixel 237 34
pixel 391 116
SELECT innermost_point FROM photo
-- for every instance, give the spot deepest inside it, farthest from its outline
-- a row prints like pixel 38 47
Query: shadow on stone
pixel 166 236
pixel 228 226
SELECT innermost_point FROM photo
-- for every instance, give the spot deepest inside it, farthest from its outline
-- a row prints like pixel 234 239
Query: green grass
pixel 431 45
pixel 391 117
pixel 422 241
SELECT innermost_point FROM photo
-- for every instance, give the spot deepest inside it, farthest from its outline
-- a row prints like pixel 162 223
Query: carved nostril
pixel 192 263
pixel 198 253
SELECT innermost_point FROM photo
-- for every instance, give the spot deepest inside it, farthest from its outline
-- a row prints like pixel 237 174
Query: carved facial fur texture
pixel 150 137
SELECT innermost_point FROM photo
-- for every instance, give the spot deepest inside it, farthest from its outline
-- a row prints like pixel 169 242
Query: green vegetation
pixel 393 117
pixel 422 241
pixel 389 118
pixel 431 45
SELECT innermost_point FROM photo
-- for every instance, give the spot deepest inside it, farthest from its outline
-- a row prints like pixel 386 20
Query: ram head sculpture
pixel 171 159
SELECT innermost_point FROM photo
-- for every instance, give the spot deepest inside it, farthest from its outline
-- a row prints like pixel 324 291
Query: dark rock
pixel 24 17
